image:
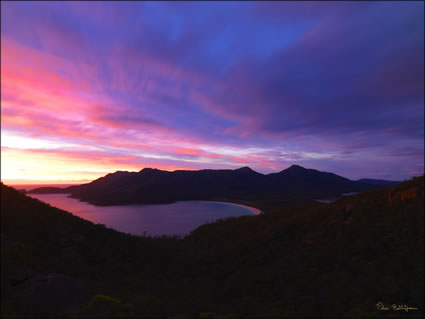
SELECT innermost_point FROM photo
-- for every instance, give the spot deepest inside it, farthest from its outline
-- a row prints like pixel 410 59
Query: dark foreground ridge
pixel 243 185
pixel 334 260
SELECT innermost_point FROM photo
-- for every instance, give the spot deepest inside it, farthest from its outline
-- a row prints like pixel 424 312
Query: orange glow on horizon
pixel 24 166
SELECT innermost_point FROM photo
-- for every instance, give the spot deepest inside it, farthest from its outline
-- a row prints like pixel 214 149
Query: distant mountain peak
pixel 294 168
pixel 245 168
pixel 148 169
pixel 116 173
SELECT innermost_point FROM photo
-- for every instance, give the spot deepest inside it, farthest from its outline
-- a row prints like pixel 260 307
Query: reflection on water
pixel 179 218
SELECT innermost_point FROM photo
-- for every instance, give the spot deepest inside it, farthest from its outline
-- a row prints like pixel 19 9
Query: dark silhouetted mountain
pixel 244 184
pixel 377 181
pixel 309 183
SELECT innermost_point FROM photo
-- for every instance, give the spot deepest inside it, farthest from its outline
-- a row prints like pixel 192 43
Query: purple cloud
pixel 337 86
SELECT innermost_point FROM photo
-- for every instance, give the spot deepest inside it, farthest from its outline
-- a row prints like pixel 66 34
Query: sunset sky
pixel 91 88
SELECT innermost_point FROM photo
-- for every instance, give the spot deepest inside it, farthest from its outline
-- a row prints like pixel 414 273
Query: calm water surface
pixel 179 218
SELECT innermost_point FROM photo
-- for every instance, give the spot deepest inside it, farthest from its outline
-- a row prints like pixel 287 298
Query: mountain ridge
pixel 153 186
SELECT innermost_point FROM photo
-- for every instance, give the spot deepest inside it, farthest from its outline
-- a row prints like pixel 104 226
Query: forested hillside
pixel 311 260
